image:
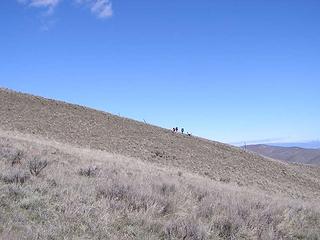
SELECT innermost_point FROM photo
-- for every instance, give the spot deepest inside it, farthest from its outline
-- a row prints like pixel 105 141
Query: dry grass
pixel 91 194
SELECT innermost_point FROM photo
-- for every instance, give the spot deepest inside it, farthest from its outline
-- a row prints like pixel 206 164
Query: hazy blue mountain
pixel 288 154
pixel 310 144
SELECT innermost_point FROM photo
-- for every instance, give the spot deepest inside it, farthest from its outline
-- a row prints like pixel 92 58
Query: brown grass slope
pixel 288 154
pixel 99 130
pixel 80 193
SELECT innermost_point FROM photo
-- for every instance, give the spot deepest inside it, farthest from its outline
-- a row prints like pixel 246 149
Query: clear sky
pixel 228 70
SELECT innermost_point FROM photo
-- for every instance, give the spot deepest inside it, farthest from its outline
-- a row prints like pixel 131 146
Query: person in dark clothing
pixel 177 129
pixel 182 130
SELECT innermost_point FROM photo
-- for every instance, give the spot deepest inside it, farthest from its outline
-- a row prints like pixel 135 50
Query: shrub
pixel 11 155
pixel 17 158
pixel 52 182
pixel 200 194
pixel 184 229
pixel 226 228
pixel 15 176
pixel 165 188
pixel 165 207
pixel 225 179
pixel 205 208
pixel 88 171
pixel 114 191
pixel 15 192
pixel 36 166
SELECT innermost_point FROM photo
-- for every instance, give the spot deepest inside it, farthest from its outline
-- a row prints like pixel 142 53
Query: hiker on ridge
pixel 182 130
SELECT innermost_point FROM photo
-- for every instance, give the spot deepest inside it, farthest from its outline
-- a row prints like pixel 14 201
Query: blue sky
pixel 227 70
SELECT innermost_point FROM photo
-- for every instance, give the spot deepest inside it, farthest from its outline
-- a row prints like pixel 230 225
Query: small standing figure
pixel 182 130
pixel 173 129
pixel 177 129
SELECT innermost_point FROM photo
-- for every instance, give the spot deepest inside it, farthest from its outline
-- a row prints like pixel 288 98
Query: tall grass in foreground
pixel 91 196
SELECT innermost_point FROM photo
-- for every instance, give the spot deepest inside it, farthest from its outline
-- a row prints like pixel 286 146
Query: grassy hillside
pixel 288 154
pixel 70 172
pixel 91 194
pixel 99 130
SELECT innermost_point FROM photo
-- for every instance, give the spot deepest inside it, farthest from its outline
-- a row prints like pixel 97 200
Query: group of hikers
pixel 176 129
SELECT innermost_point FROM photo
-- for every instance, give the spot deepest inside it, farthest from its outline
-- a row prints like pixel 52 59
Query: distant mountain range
pixel 310 144
pixel 288 154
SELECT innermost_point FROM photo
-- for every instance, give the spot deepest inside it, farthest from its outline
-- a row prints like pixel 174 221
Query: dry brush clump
pixel 131 195
pixel 16 176
pixel 90 171
pixel 36 166
pixel 11 155
pixel 185 228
